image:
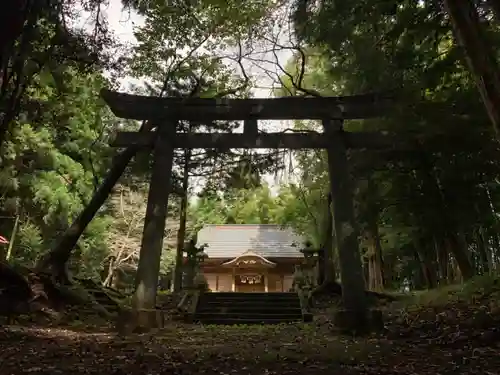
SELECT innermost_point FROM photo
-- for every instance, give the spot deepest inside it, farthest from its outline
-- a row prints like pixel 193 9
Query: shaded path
pixel 233 350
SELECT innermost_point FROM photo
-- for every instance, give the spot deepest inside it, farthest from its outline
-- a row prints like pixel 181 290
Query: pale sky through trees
pixel 122 23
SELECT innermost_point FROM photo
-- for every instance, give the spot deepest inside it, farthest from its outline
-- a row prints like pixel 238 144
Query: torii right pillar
pixel 355 317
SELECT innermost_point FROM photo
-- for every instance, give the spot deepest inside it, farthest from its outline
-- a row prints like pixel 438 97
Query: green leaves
pixel 259 205
pixel 52 160
pixel 29 244
pixel 182 40
pixel 424 196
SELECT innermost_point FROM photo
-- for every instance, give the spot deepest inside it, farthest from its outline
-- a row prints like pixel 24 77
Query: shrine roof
pixel 267 240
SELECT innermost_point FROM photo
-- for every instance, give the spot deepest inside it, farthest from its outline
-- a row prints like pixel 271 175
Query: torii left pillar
pixel 148 270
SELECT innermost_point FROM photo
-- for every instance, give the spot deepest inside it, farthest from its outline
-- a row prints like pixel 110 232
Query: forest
pixel 72 207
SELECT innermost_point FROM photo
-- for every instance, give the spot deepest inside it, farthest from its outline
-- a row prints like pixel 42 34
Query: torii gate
pixel 164 113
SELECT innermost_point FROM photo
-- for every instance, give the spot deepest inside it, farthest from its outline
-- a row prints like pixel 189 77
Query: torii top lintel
pixel 138 107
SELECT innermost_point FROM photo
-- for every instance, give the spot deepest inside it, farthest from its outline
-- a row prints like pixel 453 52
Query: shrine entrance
pixel 165 113
pixel 250 283
pixel 250 272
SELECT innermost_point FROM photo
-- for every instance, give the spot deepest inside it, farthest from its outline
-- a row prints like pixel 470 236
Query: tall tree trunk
pixel 366 268
pixel 451 271
pixel 324 247
pixel 483 251
pixel 442 260
pixel 426 262
pixel 479 54
pixel 181 233
pixel 374 253
pixel 321 266
pixel 449 227
pixel 375 260
pixel 492 232
pixel 388 272
pixel 418 276
pixel 19 21
pixel 494 248
pixel 327 272
pixel 456 247
pixel 458 278
pixel 13 15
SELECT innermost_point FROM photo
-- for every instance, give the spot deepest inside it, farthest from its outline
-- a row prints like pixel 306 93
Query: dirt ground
pixel 290 349
pixel 451 332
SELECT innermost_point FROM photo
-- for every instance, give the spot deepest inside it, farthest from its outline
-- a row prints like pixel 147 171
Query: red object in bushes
pixel 3 240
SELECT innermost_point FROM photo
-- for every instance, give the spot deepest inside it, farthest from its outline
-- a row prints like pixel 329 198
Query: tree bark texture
pixel 327 272
pixel 374 254
pixel 456 247
pixel 443 259
pixel 478 54
pixel 375 260
pixel 181 233
pixel 427 264
pixel 448 226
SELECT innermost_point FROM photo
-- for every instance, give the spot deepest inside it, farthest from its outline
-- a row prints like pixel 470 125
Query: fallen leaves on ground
pixel 451 338
pixel 190 349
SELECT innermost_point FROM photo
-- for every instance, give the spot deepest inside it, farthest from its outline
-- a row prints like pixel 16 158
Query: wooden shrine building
pixel 250 257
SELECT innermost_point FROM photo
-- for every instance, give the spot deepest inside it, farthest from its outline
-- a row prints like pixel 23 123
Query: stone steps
pixel 250 316
pixel 226 321
pixel 106 297
pixel 248 308
pixel 250 304
pixel 251 309
pixel 246 296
